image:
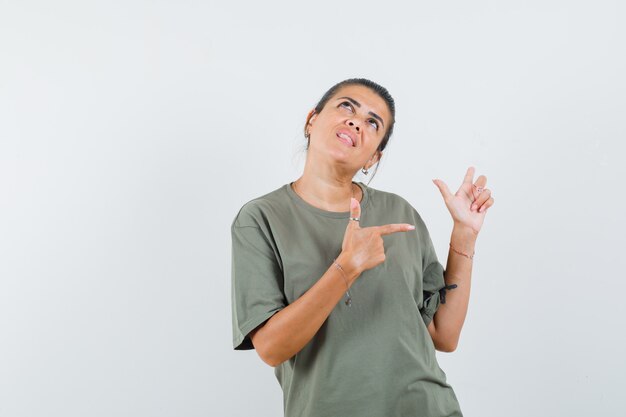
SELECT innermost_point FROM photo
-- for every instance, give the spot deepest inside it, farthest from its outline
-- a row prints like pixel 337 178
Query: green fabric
pixel 374 358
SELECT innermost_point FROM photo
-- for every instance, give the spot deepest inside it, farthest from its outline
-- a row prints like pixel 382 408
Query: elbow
pixel 268 358
pixel 268 355
pixel 274 363
pixel 265 355
pixel 447 346
pixel 271 351
pixel 261 345
pixel 271 360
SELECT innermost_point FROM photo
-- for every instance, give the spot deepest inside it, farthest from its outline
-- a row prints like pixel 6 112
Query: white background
pixel 131 133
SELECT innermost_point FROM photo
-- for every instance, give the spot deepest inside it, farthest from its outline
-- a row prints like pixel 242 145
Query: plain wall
pixel 132 132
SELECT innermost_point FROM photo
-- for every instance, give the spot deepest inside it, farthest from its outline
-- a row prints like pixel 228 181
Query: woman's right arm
pixel 290 329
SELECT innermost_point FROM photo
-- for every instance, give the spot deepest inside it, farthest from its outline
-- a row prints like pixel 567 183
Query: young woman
pixel 298 250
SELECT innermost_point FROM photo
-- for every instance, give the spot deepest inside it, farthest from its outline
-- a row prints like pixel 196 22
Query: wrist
pixel 351 271
pixel 463 238
pixel 464 232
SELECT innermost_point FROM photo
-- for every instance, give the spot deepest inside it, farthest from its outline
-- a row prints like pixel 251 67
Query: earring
pixel 364 170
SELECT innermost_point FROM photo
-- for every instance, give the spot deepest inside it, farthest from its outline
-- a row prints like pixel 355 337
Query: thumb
pixel 443 188
pixel 355 212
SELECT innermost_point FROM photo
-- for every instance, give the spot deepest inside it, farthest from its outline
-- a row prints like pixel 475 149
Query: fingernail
pixel 482 209
pixel 411 227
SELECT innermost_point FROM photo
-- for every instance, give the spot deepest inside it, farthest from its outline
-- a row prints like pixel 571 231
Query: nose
pixel 351 123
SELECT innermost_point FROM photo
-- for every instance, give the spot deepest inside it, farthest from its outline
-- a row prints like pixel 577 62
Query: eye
pixel 375 123
pixel 348 105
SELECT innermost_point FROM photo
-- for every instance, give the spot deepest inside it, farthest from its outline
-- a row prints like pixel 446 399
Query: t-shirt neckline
pixel 335 214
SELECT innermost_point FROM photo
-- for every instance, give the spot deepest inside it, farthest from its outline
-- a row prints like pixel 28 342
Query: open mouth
pixel 346 139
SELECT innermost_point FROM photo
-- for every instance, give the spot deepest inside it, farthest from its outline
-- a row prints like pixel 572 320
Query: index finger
pixel 393 228
pixel 469 175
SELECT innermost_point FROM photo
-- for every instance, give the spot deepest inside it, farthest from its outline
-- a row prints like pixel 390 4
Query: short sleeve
pixel 256 282
pixel 433 282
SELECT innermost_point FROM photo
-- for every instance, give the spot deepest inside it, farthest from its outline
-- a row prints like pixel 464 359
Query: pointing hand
pixel 365 244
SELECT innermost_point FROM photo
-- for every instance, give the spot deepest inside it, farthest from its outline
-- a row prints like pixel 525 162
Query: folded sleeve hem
pixel 429 311
pixel 427 318
pixel 242 341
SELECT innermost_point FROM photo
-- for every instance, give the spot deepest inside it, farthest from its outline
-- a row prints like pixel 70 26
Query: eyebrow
pixel 356 103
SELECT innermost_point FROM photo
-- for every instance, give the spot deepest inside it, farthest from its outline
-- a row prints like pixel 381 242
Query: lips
pixel 347 137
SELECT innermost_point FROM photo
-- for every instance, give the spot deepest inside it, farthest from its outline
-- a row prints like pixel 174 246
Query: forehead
pixel 369 100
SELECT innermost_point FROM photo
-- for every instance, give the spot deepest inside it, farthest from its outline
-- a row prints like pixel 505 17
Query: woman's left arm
pixel 468 207
pixel 445 328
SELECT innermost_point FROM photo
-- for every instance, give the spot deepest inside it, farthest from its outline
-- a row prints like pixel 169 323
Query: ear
pixel 375 158
pixel 311 116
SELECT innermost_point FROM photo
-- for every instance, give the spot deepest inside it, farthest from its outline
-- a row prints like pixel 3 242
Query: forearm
pixel 289 330
pixel 450 316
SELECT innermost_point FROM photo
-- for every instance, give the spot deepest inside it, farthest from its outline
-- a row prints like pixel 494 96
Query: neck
pixel 327 193
pixel 327 184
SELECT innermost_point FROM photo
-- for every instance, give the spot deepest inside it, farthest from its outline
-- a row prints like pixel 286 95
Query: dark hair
pixel 378 89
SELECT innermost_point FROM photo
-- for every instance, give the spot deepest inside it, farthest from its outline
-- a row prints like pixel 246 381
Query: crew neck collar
pixel 335 214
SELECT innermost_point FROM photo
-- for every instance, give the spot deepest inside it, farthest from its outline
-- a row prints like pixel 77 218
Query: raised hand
pixel 365 244
pixel 470 203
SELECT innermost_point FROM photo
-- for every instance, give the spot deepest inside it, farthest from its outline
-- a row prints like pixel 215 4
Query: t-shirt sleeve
pixel 433 282
pixel 256 282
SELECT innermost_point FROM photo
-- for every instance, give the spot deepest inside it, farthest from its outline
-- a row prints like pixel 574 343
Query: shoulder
pixel 388 196
pixel 397 206
pixel 259 210
pixel 392 201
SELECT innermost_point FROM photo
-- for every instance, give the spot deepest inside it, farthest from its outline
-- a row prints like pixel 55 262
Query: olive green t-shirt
pixel 374 358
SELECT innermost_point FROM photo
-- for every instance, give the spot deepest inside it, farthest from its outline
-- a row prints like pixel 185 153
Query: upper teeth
pixel 343 135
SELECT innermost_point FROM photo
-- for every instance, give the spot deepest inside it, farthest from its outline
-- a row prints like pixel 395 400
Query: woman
pixel 300 248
